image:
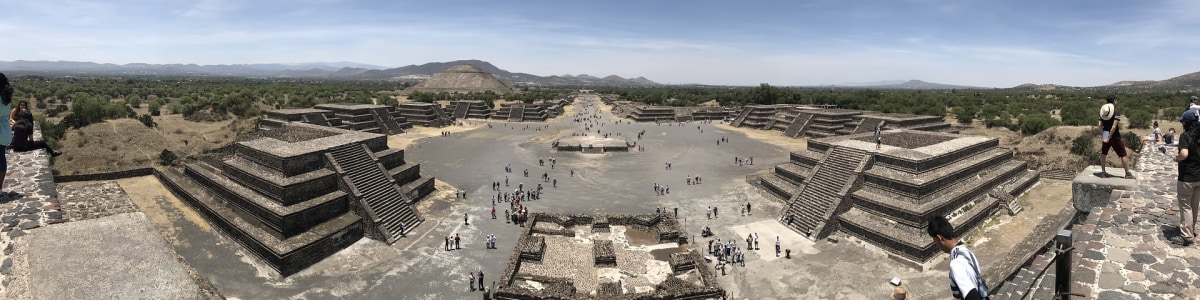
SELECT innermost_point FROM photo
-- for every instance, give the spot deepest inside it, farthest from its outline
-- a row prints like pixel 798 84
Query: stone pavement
pixel 115 257
pixel 1122 250
pixel 35 205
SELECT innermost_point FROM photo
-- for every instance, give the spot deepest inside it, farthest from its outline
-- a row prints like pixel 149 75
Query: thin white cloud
pixel 206 9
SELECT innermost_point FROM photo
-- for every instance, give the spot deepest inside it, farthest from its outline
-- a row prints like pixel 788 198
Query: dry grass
pixel 124 144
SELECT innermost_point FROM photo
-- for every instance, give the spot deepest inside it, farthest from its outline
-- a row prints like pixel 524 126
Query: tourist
pixel 1188 189
pixel 966 280
pixel 21 120
pixel 447 243
pixel 748 209
pixel 1194 105
pixel 481 289
pixel 1169 138
pixel 471 280
pixel 456 240
pixel 756 241
pixel 899 292
pixel 6 134
pixel 777 246
pixel 493 210
pixel 465 219
pixel 1110 136
pixel 1152 138
pixel 401 228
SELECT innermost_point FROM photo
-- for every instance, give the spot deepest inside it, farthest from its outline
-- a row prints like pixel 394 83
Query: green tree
pixel 134 100
pixel 155 107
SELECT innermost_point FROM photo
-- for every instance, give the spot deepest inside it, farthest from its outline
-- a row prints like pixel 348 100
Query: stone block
pixel 1089 190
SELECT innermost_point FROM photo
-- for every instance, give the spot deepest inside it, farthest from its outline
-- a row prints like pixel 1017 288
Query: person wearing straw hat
pixel 1110 136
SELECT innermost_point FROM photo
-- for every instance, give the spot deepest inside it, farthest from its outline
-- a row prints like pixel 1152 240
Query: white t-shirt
pixel 964 272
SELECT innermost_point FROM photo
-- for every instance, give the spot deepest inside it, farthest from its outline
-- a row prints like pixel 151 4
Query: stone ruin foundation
pixel 886 196
pixel 298 193
pixel 632 257
pixel 591 144
pixel 358 117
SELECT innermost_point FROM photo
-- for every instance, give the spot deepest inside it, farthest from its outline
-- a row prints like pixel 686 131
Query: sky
pixel 783 43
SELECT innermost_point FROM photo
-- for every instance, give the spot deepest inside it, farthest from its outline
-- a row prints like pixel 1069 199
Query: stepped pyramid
pixel 462 79
pixel 298 193
pixel 884 194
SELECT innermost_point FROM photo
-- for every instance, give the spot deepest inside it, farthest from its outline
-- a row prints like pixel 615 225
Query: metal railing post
pixel 1062 268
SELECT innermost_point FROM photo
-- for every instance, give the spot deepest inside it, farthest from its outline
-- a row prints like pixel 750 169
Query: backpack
pixel 979 282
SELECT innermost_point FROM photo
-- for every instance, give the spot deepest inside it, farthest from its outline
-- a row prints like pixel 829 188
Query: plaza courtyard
pixel 472 157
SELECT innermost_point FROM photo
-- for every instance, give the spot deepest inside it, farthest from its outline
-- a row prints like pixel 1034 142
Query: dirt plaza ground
pixel 473 157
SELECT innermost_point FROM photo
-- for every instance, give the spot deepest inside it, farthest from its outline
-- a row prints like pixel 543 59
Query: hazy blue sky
pixel 980 43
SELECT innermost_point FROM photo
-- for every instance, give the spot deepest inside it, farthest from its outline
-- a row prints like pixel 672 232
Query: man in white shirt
pixel 966 280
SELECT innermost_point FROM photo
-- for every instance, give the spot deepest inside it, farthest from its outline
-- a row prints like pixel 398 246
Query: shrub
pixel 167 157
pixel 147 120
pixel 1084 145
pixel 135 101
pixel 155 107
pixel 1035 123
pixel 1132 140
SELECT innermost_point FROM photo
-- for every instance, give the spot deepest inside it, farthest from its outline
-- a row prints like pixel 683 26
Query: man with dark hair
pixel 1110 136
pixel 966 281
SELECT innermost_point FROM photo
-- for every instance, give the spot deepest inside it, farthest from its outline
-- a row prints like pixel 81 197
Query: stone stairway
pixel 741 117
pixel 443 119
pixel 868 125
pixel 516 114
pixel 460 111
pixel 385 205
pixel 387 124
pixel 798 125
pixel 315 119
pixel 824 189
pixel 770 123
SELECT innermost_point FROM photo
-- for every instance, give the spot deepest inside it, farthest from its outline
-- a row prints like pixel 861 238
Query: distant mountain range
pixel 1189 80
pixel 904 85
pixel 335 70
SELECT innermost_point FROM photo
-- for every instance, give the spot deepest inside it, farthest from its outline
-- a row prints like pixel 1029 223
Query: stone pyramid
pixel 462 79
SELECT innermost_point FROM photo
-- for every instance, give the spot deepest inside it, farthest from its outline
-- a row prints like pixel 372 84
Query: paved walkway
pixel 36 204
pixel 1122 248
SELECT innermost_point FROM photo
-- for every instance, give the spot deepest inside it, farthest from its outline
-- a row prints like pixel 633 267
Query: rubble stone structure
pixel 885 196
pixel 425 114
pixel 519 112
pixel 652 114
pixel 358 117
pixel 711 113
pixel 298 193
pixel 823 121
pixel 469 109
pixel 547 256
pixel 756 116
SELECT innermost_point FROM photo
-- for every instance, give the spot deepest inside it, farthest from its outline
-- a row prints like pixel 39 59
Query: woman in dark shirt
pixel 22 121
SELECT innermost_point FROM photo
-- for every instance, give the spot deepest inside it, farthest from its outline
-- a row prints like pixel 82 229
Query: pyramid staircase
pixel 817 199
pixel 460 111
pixel 770 123
pixel 868 125
pixel 798 125
pixel 516 113
pixel 386 122
pixel 315 119
pixel 376 192
pixel 741 117
pixel 443 119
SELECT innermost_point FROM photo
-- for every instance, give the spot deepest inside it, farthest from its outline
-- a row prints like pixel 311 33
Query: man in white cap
pixel 1110 136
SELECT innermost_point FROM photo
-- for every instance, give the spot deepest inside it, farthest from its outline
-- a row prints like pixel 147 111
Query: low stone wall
pixel 105 175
